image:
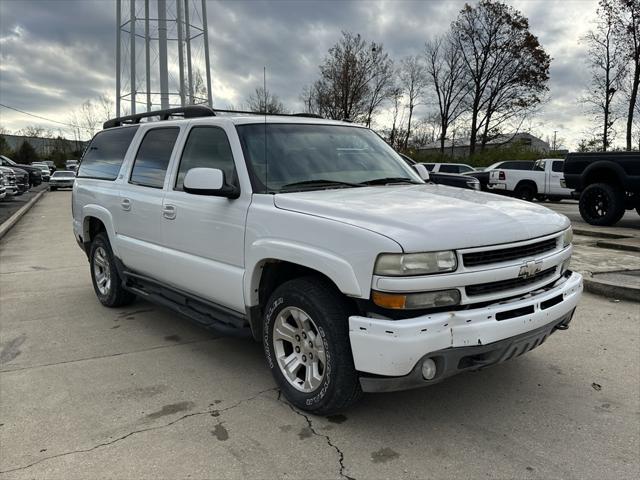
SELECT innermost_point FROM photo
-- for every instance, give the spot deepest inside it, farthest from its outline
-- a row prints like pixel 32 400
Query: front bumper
pixel 389 352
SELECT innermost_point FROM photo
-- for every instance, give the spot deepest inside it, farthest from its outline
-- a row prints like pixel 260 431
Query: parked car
pixel 9 182
pixel 35 174
pixel 543 181
pixel 608 183
pixel 483 175
pixel 51 165
pixel 71 165
pixel 3 189
pixel 22 179
pixel 450 179
pixel 317 239
pixel 62 179
pixel 44 168
pixel 449 167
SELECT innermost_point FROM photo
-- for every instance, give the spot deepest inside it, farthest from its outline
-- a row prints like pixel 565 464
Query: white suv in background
pixel 317 239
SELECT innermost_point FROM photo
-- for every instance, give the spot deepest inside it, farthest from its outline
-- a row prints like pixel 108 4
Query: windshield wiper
pixel 321 183
pixel 387 180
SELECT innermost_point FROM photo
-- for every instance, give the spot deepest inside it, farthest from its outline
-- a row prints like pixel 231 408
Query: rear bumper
pixel 391 351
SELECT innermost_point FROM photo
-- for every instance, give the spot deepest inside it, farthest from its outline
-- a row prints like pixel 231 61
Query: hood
pixel 429 217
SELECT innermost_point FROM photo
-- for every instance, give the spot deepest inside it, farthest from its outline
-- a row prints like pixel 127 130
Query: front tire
pixel 601 204
pixel 106 281
pixel 306 344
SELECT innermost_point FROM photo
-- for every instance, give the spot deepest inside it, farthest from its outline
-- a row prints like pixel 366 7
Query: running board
pixel 209 315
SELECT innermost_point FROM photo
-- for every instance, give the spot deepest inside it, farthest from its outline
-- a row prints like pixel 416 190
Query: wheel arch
pixel 603 171
pixel 96 219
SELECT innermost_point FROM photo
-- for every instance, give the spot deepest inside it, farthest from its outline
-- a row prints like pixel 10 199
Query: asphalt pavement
pixel 10 205
pixel 139 392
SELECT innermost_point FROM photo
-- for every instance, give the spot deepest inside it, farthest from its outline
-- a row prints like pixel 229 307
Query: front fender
pixel 336 268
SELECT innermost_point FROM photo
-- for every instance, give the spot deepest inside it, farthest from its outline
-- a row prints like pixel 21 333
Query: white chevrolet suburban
pixel 317 239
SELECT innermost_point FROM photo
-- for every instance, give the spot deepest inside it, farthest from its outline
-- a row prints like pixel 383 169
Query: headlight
pixel 415 301
pixel 406 264
pixel 473 184
pixel 567 237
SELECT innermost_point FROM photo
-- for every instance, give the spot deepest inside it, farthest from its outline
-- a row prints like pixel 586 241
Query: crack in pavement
pixel 98 357
pixel 142 430
pixel 326 437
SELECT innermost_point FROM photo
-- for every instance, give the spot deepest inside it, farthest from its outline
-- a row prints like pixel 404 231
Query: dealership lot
pixel 139 392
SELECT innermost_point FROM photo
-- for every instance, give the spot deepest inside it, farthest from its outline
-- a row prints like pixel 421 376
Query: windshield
pixel 8 160
pixel 312 156
pixel 539 165
pixel 64 174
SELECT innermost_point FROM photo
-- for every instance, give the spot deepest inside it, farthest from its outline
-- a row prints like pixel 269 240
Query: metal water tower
pixel 162 54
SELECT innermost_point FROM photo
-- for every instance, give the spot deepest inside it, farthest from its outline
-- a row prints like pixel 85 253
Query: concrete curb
pixel 13 219
pixel 619 245
pixel 610 289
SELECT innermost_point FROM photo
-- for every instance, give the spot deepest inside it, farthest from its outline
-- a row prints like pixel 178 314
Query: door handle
pixel 169 211
pixel 126 204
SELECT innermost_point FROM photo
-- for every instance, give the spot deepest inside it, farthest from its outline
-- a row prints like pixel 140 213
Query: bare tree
pixel 263 101
pixel 309 99
pixel 346 72
pixel 32 131
pixel 382 82
pixel 608 69
pixel 507 67
pixel 89 117
pixel 627 29
pixel 412 76
pixel 396 106
pixel 446 70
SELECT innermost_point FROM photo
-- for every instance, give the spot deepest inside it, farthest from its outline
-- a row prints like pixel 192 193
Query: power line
pixel 43 118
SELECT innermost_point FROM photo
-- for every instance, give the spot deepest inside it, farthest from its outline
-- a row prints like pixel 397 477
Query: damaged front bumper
pixel 389 353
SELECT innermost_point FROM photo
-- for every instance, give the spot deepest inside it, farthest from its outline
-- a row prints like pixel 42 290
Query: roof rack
pixel 190 111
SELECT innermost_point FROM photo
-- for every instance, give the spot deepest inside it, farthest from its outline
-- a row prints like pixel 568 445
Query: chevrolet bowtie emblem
pixel 529 269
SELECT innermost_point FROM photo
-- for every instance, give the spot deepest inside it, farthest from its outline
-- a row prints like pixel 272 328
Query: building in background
pixel 460 147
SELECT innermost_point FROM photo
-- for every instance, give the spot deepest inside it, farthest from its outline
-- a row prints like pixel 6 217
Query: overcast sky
pixel 55 54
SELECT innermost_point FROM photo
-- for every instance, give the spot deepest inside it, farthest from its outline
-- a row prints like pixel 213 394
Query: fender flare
pixel 607 165
pixel 105 217
pixel 334 267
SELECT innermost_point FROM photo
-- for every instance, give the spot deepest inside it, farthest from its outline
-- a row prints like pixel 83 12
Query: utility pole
pixel 555 132
pixel 118 69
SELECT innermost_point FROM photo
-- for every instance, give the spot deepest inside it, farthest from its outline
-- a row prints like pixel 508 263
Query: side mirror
pixel 209 181
pixel 422 171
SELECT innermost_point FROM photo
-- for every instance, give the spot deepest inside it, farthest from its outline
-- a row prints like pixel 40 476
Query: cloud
pixel 54 55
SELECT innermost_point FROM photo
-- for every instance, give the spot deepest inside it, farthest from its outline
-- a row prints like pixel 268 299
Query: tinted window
pixel 557 166
pixel 153 157
pixel 105 154
pixel 429 166
pixel 539 166
pixel 449 168
pixel 207 147
pixel 464 168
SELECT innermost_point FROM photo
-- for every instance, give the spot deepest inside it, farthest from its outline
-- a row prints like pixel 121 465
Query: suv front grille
pixel 505 254
pixel 510 284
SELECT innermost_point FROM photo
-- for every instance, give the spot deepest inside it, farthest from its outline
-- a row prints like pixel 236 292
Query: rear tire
pixel 308 315
pixel 525 192
pixel 104 274
pixel 601 204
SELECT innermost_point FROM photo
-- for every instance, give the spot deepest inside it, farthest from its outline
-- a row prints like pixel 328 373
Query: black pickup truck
pixel 608 184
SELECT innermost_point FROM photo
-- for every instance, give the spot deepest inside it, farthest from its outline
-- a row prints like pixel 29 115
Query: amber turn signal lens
pixel 389 300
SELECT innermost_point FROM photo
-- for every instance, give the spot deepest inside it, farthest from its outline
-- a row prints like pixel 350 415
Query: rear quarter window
pixel 105 153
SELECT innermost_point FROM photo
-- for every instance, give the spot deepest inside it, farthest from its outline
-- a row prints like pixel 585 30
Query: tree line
pixel 614 60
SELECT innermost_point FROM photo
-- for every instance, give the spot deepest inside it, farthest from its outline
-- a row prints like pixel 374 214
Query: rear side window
pixel 105 154
pixel 449 168
pixel 429 166
pixel 207 147
pixel 152 159
pixel 557 166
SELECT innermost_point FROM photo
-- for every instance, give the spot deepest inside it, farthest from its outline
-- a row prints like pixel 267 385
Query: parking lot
pixel 139 392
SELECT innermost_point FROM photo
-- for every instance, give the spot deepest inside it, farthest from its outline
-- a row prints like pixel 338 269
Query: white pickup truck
pixel 544 181
pixel 317 239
